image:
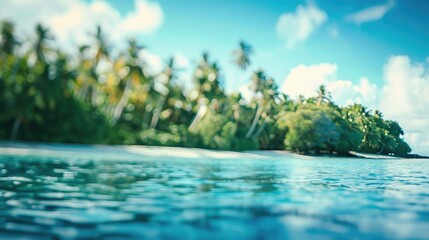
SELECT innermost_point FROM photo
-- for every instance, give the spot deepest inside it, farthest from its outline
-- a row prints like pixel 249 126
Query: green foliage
pixel 309 130
pixel 380 136
pixel 152 137
pixel 47 95
pixel 68 122
pixel 219 132
pixel 319 129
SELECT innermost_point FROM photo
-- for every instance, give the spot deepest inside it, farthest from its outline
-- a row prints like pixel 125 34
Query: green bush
pixel 318 129
pixel 219 132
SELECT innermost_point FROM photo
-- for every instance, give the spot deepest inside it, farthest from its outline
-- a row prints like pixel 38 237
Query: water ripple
pixel 323 198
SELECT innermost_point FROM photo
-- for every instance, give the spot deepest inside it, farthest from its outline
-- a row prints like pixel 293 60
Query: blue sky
pixel 372 52
pixel 193 26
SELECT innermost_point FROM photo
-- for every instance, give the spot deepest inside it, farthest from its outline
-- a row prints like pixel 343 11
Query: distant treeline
pixel 48 95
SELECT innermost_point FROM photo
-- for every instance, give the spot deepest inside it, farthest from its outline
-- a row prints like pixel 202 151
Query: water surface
pixel 66 196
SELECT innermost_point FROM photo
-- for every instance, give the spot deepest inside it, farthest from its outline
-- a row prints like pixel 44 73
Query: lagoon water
pixel 195 194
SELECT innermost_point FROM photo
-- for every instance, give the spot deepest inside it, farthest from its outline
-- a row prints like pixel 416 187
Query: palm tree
pixel 207 80
pixel 257 85
pixel 41 46
pixel 323 95
pixel 45 57
pixel 270 96
pixel 368 125
pixel 168 74
pixel 102 53
pixel 241 58
pixel 90 58
pixel 9 61
pixel 8 44
pixel 101 46
pixel 242 55
pixel 8 41
pixel 44 97
pixel 133 78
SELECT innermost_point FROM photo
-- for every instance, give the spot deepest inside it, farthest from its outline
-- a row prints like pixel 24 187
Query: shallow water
pixel 69 197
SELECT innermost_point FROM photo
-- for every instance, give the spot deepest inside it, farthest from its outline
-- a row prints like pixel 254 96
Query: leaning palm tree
pixel 169 74
pixel 133 78
pixel 270 95
pixel 207 80
pixel 257 84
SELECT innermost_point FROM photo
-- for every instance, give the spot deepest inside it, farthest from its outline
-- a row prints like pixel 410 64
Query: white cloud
pixel 80 20
pixel 305 80
pixel 153 61
pixel 26 12
pixel 295 27
pixel 345 92
pixel 147 18
pixel 406 89
pixel 72 21
pixel 370 14
pixel 405 97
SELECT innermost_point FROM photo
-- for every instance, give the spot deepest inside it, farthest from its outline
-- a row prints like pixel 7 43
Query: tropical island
pixel 50 95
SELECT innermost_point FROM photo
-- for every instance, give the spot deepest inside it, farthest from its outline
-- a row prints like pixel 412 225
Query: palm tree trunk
pixel 122 103
pixel 261 128
pixel 157 112
pixel 200 114
pixel 15 128
pixel 255 121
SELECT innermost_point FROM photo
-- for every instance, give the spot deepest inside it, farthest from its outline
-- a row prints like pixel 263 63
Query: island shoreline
pixel 27 147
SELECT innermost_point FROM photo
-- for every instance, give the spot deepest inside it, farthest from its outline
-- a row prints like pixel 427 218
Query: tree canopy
pixel 95 96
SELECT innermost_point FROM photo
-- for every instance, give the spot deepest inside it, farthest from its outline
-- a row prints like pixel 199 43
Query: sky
pixel 374 52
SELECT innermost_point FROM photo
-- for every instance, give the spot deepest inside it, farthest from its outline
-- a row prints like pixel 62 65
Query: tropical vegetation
pixel 49 95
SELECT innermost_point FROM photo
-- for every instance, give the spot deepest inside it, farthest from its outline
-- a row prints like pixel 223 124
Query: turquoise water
pixel 70 197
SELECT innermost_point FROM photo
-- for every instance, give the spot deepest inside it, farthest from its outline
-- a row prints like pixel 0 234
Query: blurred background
pixel 150 72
